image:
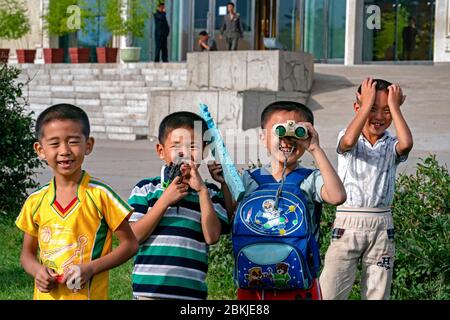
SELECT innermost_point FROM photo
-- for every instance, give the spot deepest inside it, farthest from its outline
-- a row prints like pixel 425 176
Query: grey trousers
pixel 232 43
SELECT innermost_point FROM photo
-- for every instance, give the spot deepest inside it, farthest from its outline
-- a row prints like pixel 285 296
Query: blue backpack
pixel 276 249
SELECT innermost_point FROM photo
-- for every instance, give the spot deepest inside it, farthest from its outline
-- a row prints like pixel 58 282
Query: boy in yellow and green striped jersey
pixel 175 219
pixel 68 223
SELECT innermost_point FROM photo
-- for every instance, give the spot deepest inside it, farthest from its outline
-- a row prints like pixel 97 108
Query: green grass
pixel 15 284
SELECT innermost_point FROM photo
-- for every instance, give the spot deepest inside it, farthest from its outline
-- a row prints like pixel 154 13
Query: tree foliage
pixel 18 162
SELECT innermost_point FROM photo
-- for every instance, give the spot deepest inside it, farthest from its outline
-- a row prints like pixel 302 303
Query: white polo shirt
pixel 369 172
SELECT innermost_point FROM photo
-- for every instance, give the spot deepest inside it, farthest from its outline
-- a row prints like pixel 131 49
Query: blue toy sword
pixel 220 153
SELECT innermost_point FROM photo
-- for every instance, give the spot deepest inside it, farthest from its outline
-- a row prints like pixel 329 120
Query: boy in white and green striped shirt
pixel 176 225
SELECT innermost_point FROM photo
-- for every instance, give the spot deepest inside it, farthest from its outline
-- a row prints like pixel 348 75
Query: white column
pixel 442 31
pixel 354 32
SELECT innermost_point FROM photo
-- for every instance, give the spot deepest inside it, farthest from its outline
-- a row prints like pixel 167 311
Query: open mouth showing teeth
pixel 65 163
pixel 286 149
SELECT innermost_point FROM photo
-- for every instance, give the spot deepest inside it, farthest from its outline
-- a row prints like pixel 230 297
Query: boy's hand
pixel 396 97
pixel 216 172
pixel 78 276
pixel 312 143
pixel 192 177
pixel 368 94
pixel 46 279
pixel 177 190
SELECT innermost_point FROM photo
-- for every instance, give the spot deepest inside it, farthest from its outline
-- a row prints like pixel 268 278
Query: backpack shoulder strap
pixel 298 176
pixel 261 176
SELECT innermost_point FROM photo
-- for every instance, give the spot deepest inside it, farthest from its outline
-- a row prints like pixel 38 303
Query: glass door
pixel 406 33
pixel 265 22
pixel 209 16
pixel 202 21
pixel 324 29
pixel 289 24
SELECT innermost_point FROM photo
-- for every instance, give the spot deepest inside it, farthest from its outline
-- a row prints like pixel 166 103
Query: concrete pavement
pixel 427 110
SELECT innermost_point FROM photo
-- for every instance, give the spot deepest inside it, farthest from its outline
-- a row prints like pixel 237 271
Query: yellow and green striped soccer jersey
pixel 80 235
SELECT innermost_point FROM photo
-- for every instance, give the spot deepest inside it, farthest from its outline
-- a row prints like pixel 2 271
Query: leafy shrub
pixel 18 162
pixel 422 221
pixel 14 21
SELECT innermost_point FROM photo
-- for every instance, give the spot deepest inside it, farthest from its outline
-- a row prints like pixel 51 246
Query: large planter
pixel 4 55
pixel 52 55
pixel 130 54
pixel 79 55
pixel 107 55
pixel 25 55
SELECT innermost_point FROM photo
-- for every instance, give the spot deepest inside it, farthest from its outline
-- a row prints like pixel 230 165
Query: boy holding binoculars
pixel 288 133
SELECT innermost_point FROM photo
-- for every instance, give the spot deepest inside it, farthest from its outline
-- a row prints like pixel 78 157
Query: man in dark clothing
pixel 162 31
pixel 409 39
pixel 232 28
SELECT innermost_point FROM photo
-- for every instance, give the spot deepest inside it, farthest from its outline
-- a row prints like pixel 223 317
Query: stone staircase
pixel 129 101
pixel 116 97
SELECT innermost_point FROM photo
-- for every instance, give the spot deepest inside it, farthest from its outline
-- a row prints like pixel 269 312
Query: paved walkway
pixel 427 110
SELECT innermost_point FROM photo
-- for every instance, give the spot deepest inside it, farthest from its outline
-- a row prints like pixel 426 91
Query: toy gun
pixel 220 153
pixel 172 171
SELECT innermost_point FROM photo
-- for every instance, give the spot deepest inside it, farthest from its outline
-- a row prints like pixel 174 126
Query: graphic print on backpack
pixel 271 221
pixel 274 248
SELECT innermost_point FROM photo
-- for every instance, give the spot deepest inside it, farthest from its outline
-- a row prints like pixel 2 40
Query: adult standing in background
pixel 410 34
pixel 232 28
pixel 162 31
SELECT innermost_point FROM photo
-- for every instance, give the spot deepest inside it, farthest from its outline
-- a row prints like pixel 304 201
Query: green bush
pixel 18 163
pixel 422 224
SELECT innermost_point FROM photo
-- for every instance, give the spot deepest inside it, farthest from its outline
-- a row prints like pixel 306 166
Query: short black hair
pixel 63 111
pixel 287 106
pixel 230 4
pixel 178 120
pixel 382 85
pixel 203 33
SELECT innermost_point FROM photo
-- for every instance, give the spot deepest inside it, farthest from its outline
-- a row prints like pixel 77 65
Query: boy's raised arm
pixel 366 101
pixel 145 226
pixel 404 135
pixel 333 191
pixel 211 226
pixel 216 172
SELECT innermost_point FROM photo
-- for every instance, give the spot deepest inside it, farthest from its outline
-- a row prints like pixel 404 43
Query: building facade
pixel 334 31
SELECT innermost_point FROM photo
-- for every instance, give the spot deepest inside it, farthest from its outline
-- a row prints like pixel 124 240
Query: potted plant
pixel 57 23
pixel 114 23
pixel 14 24
pixel 123 20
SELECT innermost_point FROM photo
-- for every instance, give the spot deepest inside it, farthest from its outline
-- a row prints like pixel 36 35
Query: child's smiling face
pixel 277 147
pixel 181 143
pixel 380 118
pixel 63 146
